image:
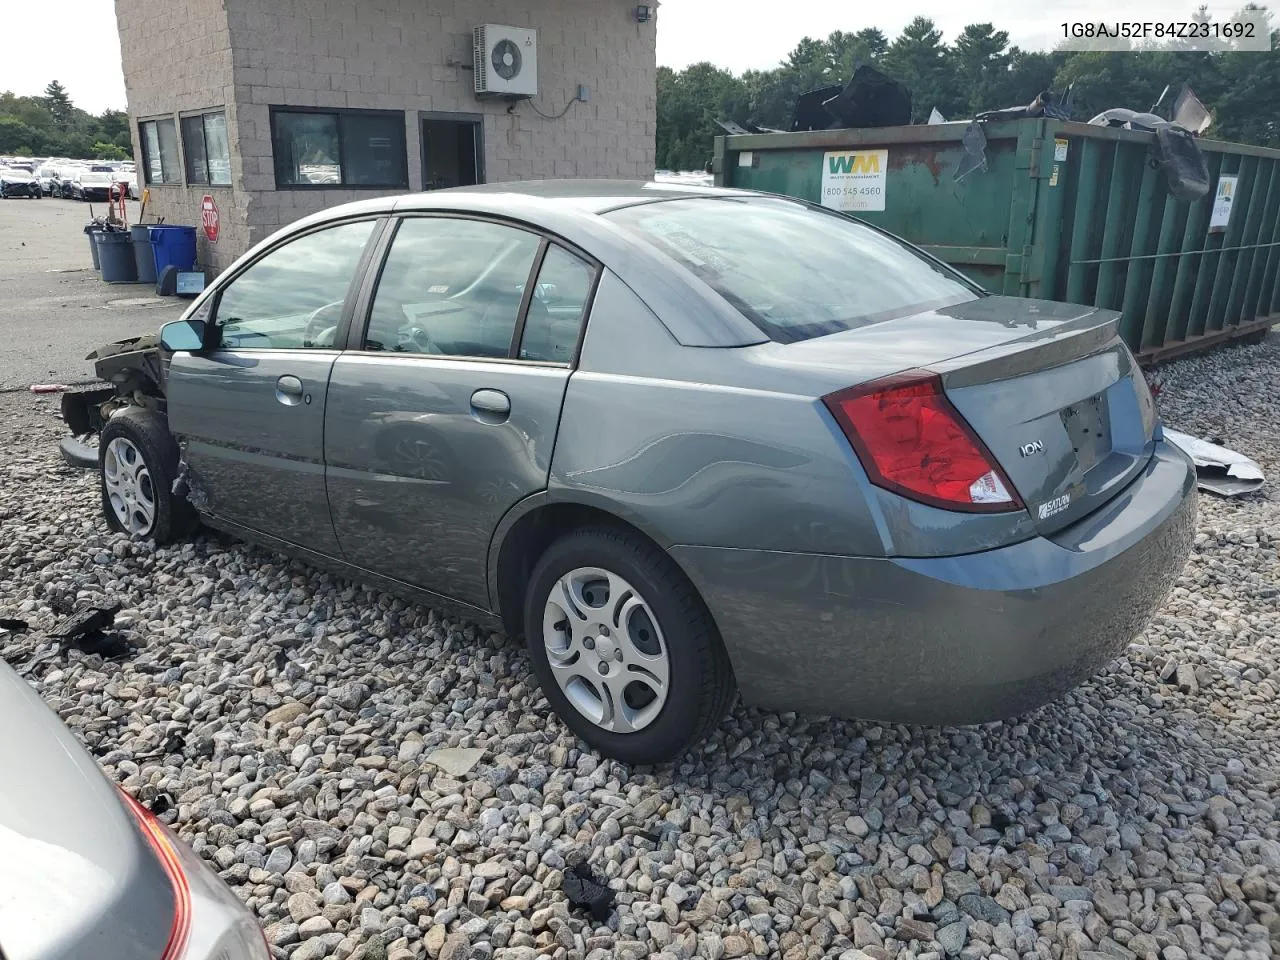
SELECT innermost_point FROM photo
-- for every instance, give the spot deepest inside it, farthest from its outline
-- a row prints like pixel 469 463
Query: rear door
pixel 443 412
pixel 251 412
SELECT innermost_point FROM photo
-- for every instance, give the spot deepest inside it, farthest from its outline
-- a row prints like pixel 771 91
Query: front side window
pixel 205 148
pixel 293 297
pixel 558 307
pixel 451 288
pixel 339 148
pixel 159 139
pixel 794 271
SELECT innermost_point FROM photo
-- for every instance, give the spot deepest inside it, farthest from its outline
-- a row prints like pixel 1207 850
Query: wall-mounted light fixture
pixel 644 13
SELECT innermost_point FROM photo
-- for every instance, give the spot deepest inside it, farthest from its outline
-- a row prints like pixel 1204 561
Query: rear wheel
pixel 624 648
pixel 138 461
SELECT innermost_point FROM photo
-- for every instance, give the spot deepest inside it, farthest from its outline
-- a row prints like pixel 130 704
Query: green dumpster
pixel 1061 211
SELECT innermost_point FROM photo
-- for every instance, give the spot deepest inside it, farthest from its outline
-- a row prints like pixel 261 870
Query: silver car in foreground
pixel 90 873
pixel 684 441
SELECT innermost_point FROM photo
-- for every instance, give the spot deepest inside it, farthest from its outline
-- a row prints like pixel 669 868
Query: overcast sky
pixel 82 51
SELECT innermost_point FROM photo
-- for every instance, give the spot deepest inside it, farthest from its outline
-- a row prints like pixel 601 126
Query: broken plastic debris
pixel 975 151
pixel 90 620
pixel 456 761
pixel 585 889
pixel 12 623
pixel 1218 469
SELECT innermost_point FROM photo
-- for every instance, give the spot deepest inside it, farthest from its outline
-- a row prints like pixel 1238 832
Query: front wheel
pixel 138 461
pixel 625 650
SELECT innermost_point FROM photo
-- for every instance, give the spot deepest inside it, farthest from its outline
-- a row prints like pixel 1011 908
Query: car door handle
pixel 494 403
pixel 289 390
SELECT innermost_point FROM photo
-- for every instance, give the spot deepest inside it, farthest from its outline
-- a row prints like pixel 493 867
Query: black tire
pixel 701 684
pixel 173 518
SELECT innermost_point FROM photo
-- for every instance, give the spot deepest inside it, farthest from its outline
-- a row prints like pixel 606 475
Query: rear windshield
pixel 794 271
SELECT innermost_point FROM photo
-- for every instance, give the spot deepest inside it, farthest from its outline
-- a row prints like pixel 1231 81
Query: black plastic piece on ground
pixel 585 889
pixel 84 622
pixel 12 623
pixel 78 454
pixel 167 281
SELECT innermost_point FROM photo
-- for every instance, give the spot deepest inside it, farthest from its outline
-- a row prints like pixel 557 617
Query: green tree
pixel 59 101
pixel 980 64
pixel 108 151
pixel 18 137
pixel 919 58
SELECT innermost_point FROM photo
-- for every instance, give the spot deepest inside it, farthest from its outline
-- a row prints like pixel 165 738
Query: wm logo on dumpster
pixel 847 163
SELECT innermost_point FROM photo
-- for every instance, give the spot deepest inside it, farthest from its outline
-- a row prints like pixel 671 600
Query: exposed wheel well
pixel 529 538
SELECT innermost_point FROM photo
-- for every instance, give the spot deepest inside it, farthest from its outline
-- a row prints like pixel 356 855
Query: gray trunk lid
pixel 1065 411
pixel 1049 387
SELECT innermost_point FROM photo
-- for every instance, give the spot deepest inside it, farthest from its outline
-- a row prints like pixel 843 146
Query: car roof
pixel 588 196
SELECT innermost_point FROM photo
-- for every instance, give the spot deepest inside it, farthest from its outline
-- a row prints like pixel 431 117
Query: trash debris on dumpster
pixel 869 99
pixel 1218 469
pixel 1046 104
pixel 1174 151
pixel 975 151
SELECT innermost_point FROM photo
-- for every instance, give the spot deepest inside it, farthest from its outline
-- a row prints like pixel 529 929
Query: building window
pixel 159 140
pixel 328 148
pixel 205 148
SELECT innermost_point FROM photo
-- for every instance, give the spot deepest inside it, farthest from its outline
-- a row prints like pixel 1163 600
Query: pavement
pixel 54 309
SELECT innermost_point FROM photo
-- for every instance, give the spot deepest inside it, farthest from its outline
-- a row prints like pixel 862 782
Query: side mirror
pixel 188 335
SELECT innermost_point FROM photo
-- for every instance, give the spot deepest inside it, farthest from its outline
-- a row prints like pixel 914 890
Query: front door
pixel 446 415
pixel 251 411
pixel 451 151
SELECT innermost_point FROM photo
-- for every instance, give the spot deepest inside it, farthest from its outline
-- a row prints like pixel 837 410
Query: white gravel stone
pixel 1136 817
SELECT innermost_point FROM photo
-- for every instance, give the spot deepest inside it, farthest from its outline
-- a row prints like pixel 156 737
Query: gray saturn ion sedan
pixel 684 441
pixel 88 873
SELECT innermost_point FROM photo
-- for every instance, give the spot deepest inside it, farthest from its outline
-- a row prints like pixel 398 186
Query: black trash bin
pixel 144 254
pixel 89 230
pixel 115 253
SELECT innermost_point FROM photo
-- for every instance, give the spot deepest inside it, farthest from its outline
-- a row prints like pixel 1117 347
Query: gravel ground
pixel 294 719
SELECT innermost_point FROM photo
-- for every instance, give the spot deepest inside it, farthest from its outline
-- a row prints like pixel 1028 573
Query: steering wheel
pixel 322 326
pixel 416 340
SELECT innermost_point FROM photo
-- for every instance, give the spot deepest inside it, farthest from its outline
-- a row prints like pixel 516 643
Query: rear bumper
pixel 951 640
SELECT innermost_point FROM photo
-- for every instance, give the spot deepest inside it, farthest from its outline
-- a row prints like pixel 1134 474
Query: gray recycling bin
pixel 115 253
pixel 144 254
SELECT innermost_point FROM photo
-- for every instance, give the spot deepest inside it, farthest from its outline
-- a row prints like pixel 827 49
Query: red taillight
pixel 912 441
pixel 162 846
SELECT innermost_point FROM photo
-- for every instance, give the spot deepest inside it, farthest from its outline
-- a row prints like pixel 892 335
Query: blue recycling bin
pixel 173 246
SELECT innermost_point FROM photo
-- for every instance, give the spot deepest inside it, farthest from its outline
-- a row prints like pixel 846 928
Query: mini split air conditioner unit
pixel 506 61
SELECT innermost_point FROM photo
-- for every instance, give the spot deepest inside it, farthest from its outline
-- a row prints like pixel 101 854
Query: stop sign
pixel 209 218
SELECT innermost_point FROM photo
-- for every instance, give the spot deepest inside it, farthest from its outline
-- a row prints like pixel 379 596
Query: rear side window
pixel 557 308
pixel 793 271
pixel 451 288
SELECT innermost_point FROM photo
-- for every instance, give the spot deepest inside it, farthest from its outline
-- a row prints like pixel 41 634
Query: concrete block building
pixel 279 108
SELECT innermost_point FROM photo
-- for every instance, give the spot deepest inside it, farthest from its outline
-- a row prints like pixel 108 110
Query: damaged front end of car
pixel 132 373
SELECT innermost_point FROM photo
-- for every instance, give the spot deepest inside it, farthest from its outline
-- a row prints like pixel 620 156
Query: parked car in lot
pixel 92 183
pixel 47 174
pixel 682 440
pixel 100 876
pixel 18 182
